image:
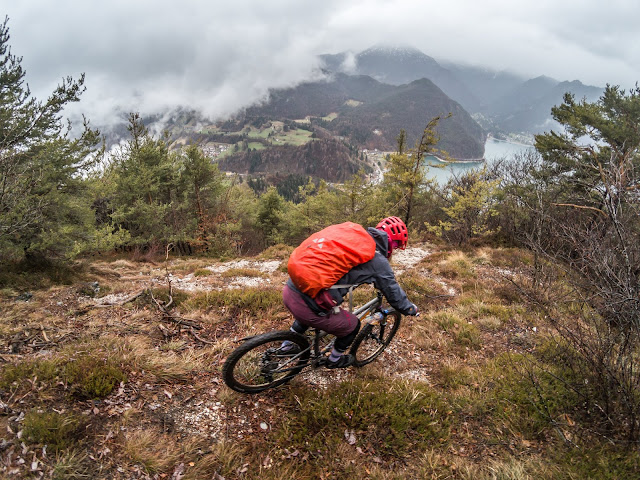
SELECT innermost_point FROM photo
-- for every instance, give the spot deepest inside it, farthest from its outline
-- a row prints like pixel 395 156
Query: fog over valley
pixel 153 57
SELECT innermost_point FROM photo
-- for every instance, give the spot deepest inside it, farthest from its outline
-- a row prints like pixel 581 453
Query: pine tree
pixel 42 209
pixel 145 187
pixel 406 170
pixel 591 172
pixel 201 185
pixel 269 219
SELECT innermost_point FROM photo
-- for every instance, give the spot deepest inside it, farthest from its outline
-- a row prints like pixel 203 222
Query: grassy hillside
pixel 327 159
pixel 371 114
pixel 116 389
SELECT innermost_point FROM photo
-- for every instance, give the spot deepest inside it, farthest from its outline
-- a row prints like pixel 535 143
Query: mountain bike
pixel 260 362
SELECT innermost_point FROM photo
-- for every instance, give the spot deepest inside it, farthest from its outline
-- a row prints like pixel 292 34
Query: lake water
pixel 493 149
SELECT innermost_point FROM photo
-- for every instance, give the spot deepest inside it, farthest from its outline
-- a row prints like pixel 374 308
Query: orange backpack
pixel 323 258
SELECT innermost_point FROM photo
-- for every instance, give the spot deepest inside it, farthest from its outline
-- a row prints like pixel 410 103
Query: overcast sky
pixel 219 56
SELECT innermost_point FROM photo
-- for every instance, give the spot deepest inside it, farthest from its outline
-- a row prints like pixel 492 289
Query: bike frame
pixel 317 351
pixel 314 350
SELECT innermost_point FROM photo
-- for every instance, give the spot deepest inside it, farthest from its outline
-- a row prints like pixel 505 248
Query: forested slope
pixel 371 114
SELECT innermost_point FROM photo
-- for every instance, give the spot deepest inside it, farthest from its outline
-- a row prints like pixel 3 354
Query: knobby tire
pixel 254 366
pixel 373 339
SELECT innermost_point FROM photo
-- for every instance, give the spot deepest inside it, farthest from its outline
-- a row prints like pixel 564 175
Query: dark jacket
pixel 377 271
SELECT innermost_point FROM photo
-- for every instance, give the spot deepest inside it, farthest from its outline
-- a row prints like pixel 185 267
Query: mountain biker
pixel 323 312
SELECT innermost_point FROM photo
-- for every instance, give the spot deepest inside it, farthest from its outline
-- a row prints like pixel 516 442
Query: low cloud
pixel 153 56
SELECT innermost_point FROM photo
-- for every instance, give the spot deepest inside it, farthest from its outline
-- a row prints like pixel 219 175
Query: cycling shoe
pixel 288 350
pixel 343 362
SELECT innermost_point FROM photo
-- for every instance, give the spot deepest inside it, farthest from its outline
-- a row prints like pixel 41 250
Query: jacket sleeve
pixel 385 281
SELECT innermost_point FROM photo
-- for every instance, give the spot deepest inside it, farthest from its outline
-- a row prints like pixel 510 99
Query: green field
pixel 295 137
pixel 274 134
pixel 256 146
pixel 264 133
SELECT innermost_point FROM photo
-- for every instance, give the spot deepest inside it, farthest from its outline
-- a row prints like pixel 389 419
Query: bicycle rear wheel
pixel 259 364
pixel 374 338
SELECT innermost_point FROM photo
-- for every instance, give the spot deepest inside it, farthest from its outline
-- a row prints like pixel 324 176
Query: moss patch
pixel 391 421
pixel 57 431
pixel 91 377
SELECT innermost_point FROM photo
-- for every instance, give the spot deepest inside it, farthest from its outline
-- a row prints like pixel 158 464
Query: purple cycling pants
pixel 339 324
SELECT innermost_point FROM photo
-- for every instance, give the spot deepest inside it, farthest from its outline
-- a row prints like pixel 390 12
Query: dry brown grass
pixel 152 449
pixel 453 351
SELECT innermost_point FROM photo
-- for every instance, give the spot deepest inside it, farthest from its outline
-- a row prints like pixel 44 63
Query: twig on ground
pixel 130 298
pixel 200 339
pixel 164 309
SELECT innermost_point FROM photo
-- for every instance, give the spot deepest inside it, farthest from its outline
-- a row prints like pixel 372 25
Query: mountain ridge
pixel 382 110
pixel 502 97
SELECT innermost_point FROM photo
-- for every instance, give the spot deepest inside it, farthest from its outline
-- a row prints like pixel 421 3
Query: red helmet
pixel 396 230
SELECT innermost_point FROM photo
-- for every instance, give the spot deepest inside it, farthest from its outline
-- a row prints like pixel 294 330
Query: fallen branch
pixel 182 321
pixel 18 341
pixel 164 309
pixel 200 339
pixel 130 298
pixel 44 334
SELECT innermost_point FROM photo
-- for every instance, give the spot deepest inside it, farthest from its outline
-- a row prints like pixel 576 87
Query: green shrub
pixel 87 376
pixel 464 334
pixel 57 431
pixel 526 397
pixel 252 299
pixel 418 287
pixel 202 272
pixel 601 461
pixel 242 272
pixel 467 335
pixel 277 252
pixel 91 377
pixel 456 266
pixel 453 376
pixel 43 370
pixel 511 257
pixel 72 464
pixel 446 319
pixel 38 272
pixel 162 295
pixel 393 419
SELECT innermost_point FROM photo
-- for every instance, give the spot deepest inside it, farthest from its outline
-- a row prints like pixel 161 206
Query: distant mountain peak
pixel 543 79
pixel 572 83
pixel 403 50
pixel 396 54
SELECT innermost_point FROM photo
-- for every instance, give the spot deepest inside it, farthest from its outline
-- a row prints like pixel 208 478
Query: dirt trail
pixel 266 274
pixel 199 403
pixel 210 417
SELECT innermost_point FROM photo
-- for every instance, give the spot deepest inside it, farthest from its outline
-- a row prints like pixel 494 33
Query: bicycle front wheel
pixel 260 363
pixel 374 338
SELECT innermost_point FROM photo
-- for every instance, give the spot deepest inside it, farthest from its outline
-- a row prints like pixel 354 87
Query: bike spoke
pixel 373 339
pixel 260 363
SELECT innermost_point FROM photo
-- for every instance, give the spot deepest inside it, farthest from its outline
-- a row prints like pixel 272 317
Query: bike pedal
pixel 320 362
